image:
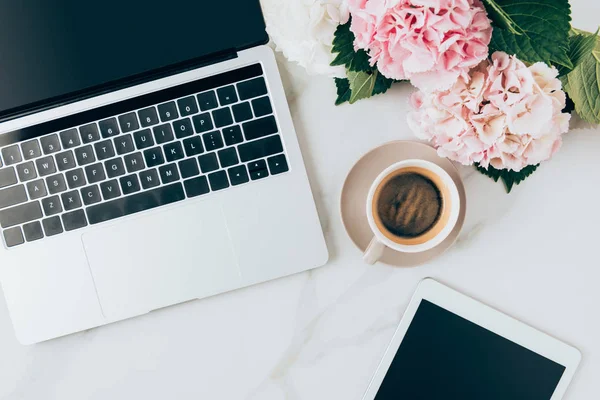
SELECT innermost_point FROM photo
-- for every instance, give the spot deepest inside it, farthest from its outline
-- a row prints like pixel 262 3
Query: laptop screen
pixel 53 49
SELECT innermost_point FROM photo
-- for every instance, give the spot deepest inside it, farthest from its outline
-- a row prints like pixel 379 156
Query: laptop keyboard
pixel 139 154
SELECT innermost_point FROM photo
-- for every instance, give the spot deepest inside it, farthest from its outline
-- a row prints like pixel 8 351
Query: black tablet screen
pixel 445 357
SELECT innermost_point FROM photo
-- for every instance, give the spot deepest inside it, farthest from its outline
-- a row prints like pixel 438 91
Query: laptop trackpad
pixel 165 258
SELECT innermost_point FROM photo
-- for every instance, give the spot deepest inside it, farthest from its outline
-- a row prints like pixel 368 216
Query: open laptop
pixel 148 158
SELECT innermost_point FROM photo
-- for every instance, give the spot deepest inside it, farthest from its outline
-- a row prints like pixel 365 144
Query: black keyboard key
pixel 31 149
pixel 227 95
pixel 218 180
pixel 183 128
pixel 134 162
pixel 70 138
pixel 12 196
pixel 95 173
pixel 154 157
pixel 56 184
pixel 33 231
pixel 163 133
pixel 52 226
pixel 148 117
pixel 128 122
pixel 238 175
pixel 169 173
pixel 168 111
pixel 110 189
pixel 75 178
pixel 260 127
pixel 208 162
pixel 130 184
pixel 228 157
pixel 173 151
pixel 74 220
pixel 242 112
pixel 212 140
pixel 85 155
pixel 114 167
pixel 207 100
pixel 187 106
pixel 26 171
pixel 9 177
pixel 196 186
pixel 258 169
pixel 222 117
pixel 278 164
pixel 124 144
pixel 260 148
pixel 233 135
pixel 149 178
pixel 89 133
pixel 143 139
pixel 257 165
pixel 65 160
pixel 71 200
pixel 36 189
pixel 45 165
pixel 50 144
pixel 20 214
pixel 91 195
pixel 202 123
pixel 52 206
pixel 193 146
pixel 252 88
pixel 189 168
pixel 104 150
pixel 133 204
pixel 13 237
pixel 109 128
pixel 262 106
pixel 259 174
pixel 11 155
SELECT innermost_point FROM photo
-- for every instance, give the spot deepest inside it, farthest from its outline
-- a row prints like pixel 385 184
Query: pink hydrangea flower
pixel 430 42
pixel 502 114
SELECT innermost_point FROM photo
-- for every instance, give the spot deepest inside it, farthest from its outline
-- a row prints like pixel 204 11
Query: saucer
pixel 357 185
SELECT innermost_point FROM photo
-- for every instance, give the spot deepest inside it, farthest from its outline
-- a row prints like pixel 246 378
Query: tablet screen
pixel 444 356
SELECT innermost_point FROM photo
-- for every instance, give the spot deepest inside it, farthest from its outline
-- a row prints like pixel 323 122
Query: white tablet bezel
pixel 487 318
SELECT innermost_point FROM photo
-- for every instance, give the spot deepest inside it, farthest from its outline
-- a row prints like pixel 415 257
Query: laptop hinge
pixel 119 84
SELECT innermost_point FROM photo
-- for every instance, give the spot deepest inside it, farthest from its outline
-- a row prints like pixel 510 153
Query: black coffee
pixel 409 205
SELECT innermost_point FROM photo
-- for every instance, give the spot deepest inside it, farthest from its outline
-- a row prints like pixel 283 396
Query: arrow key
pixel 278 164
pixel 238 175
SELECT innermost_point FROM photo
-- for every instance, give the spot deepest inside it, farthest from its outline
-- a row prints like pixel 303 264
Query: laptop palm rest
pixel 161 259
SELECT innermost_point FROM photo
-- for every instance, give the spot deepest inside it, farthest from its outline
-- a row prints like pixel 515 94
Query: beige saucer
pixel 357 185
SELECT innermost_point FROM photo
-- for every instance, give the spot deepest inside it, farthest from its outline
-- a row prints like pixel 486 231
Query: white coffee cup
pixel 445 222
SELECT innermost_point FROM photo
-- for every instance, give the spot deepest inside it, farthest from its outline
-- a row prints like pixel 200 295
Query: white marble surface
pixel 319 335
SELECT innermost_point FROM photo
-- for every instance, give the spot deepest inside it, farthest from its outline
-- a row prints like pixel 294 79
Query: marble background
pixel 320 334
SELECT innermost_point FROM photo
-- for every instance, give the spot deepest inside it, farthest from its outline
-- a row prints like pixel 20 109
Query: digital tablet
pixel 451 347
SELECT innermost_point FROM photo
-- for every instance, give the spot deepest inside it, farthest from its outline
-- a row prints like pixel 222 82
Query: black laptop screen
pixel 52 49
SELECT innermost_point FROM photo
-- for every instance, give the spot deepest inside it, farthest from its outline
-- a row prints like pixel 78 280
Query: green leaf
pixel 542 30
pixel 361 85
pixel 581 44
pixel 501 18
pixel 343 44
pixel 382 84
pixel 343 90
pixel 583 83
pixel 508 177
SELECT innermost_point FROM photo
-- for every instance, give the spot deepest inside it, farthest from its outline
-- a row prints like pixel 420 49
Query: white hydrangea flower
pixel 303 31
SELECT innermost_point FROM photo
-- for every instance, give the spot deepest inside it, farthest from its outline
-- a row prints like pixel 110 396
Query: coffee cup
pixel 412 207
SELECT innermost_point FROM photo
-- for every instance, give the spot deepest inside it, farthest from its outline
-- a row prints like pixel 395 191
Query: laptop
pixel 147 158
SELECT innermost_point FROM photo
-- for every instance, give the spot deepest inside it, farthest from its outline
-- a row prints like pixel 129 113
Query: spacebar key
pixel 136 203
